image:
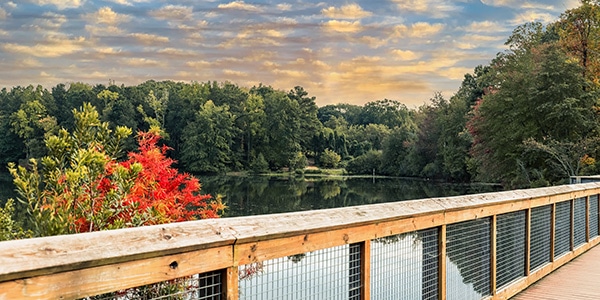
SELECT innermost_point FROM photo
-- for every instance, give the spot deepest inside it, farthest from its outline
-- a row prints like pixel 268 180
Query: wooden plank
pixel 442 263
pixel 231 283
pixel 493 253
pixel 572 234
pixel 109 278
pixel 48 255
pixel 527 242
pixel 587 218
pixel 552 231
pixel 365 270
pixel 540 273
pixel 576 280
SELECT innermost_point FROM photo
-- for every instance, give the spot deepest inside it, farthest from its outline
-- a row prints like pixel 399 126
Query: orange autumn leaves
pixel 158 192
pixel 82 187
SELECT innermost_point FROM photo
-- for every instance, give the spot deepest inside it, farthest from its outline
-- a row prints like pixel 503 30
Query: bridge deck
pixel 579 279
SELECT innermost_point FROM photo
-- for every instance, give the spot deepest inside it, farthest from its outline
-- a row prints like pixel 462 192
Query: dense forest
pixel 529 118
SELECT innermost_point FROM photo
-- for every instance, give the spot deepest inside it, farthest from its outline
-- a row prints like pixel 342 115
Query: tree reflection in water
pixel 255 195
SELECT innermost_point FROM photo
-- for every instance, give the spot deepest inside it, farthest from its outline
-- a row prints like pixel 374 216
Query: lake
pixel 255 195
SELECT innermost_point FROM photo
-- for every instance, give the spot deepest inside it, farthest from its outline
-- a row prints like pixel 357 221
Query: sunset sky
pixel 339 51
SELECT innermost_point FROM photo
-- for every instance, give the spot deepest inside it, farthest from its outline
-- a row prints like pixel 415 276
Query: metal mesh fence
pixel 332 273
pixel 541 221
pixel 405 266
pixel 562 235
pixel 579 221
pixel 205 286
pixel 468 259
pixel 510 247
pixel 593 216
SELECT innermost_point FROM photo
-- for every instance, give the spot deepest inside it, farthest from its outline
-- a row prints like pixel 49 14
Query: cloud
pixel 60 4
pixel 484 26
pixel 140 62
pixel 54 46
pixel 532 16
pixel 3 14
pixel 31 63
pixel 373 42
pixel 433 8
pixel 418 30
pixel 105 22
pixel 284 7
pixel 173 13
pixel 350 11
pixel 126 2
pixel 198 64
pixel 342 26
pixel 406 54
pixel 106 15
pixel 234 73
pixel 547 5
pixel 50 21
pixel 149 39
pixel 176 52
pixel 240 5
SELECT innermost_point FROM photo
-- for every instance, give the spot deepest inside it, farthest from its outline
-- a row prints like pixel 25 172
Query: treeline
pixel 529 118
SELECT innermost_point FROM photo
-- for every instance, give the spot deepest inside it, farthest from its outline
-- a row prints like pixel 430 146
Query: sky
pixel 339 51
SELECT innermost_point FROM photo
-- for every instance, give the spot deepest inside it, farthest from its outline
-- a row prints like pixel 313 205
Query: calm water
pixel 265 195
pixel 255 195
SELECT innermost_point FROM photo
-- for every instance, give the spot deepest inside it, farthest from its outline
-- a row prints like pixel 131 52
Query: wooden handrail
pixel 80 265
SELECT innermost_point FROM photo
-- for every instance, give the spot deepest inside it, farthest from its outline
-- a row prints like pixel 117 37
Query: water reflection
pixel 265 195
pixel 402 267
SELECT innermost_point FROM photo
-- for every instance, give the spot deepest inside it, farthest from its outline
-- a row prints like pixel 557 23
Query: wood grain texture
pixel 575 280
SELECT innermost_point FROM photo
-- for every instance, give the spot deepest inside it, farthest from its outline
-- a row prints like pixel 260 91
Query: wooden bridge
pixel 486 246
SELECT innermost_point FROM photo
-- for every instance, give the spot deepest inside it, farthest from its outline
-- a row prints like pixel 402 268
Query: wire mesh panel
pixel 562 236
pixel 354 272
pixel 405 266
pixel 468 259
pixel 579 221
pixel 541 221
pixel 323 274
pixel 205 286
pixel 430 241
pixel 510 247
pixel 593 216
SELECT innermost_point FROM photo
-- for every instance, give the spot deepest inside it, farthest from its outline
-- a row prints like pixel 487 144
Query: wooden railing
pixel 83 265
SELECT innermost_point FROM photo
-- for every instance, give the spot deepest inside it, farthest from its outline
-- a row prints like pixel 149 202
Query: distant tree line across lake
pixel 529 118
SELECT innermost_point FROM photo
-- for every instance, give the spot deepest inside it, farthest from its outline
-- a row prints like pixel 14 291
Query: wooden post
pixel 528 241
pixel 587 219
pixel 493 232
pixel 231 283
pixel 442 263
pixel 572 224
pixel 552 231
pixel 365 270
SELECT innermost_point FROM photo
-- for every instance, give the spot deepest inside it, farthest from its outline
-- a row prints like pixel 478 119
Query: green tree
pixel 396 149
pixel 281 127
pixel 366 164
pixel 207 140
pixel 390 113
pixel 307 109
pixel 579 32
pixel 539 94
pixel 330 159
pixel 33 123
